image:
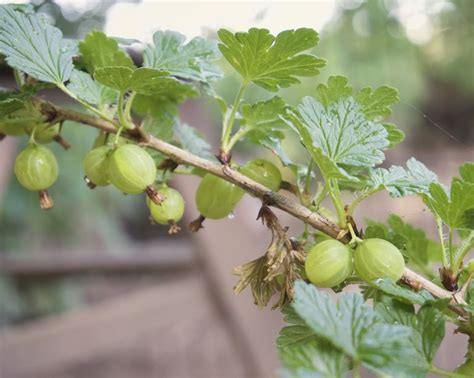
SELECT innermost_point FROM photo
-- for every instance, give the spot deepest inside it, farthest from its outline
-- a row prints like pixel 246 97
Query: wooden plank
pixel 168 256
pixel 166 321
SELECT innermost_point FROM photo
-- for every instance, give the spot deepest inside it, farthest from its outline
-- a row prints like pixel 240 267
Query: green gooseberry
pixel 264 172
pixel 328 263
pixel 217 198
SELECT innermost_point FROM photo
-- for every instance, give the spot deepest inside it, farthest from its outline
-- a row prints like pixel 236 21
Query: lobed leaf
pixel 268 61
pixel 188 61
pixel 339 136
pixel 376 105
pixel 358 331
pixel 400 182
pixel 145 81
pixel 263 125
pixel 33 46
pixel 395 135
pixel 456 208
pixel 335 89
pixel 97 51
pixel 302 352
pixel 467 172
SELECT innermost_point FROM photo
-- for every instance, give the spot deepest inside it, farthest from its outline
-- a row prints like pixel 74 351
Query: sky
pixel 139 19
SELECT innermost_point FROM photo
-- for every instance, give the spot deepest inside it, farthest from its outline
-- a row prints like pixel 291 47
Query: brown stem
pixel 224 171
pixel 45 200
pixel 62 142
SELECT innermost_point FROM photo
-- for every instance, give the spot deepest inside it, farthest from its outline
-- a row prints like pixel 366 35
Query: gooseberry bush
pixel 395 325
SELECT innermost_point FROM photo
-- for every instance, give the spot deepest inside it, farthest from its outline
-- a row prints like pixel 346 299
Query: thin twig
pixel 270 198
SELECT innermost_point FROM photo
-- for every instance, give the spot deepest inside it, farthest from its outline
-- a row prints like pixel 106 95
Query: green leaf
pixel 340 134
pixel 33 46
pixel 97 50
pixel 263 125
pixel 152 82
pixel 376 105
pixel 402 293
pixel 335 89
pixel 154 105
pixel 357 330
pixel 145 81
pixel 188 61
pixel 401 182
pixel 116 77
pixel 394 311
pixel 193 141
pixel 467 172
pixel 301 351
pixel 85 87
pixel 268 61
pixel 417 247
pixel 11 102
pixel 455 208
pixel 395 135
pixel 430 327
pixel 160 127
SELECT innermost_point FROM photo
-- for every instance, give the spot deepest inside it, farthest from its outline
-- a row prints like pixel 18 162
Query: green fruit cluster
pixel 330 262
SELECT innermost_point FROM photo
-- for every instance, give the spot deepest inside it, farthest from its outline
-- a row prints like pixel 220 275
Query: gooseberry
pixel 171 210
pixel 36 169
pixel 131 169
pixel 264 172
pixel 96 166
pixel 216 198
pixel 328 263
pixel 378 258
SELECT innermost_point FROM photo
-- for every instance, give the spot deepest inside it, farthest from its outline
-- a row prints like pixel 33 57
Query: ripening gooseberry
pixel 96 165
pixel 328 263
pixel 131 169
pixel 378 258
pixel 171 210
pixel 264 172
pixel 216 198
pixel 36 167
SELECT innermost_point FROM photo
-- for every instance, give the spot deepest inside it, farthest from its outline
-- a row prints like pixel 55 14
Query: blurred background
pixel 91 289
